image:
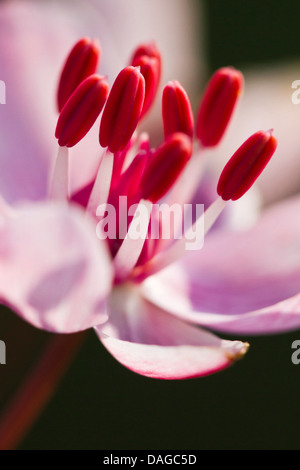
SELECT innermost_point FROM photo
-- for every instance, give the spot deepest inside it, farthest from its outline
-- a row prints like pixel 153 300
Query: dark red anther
pixel 81 110
pixel 148 57
pixel 217 106
pixel 176 110
pixel 123 109
pixel 246 165
pixel 81 62
pixel 150 69
pixel 148 49
pixel 165 166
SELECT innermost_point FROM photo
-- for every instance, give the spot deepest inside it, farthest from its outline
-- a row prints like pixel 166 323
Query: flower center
pixel 133 180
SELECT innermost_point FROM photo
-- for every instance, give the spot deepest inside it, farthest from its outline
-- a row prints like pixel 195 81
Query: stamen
pixel 123 159
pixel 148 57
pixel 237 177
pixel 150 69
pixel 102 183
pixel 131 248
pixel 246 165
pixel 81 110
pixel 119 159
pixel 124 193
pixel 176 110
pixel 150 50
pixel 130 181
pixel 165 166
pixel 177 250
pixel 217 106
pixel 59 182
pixel 82 61
pixel 187 185
pixel 129 171
pixel 123 109
pixel 137 143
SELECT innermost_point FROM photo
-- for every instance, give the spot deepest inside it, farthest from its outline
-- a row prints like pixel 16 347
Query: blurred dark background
pixel 252 31
pixel 253 405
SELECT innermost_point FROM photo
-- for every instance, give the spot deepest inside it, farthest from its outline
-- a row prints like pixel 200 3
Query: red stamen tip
pixel 148 57
pixel 150 69
pixel 81 110
pixel 165 166
pixel 148 49
pixel 81 62
pixel 176 110
pixel 246 165
pixel 217 106
pixel 123 109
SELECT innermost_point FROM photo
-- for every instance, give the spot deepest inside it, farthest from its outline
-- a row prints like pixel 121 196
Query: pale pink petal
pixel 25 134
pixel 153 343
pixel 54 272
pixel 236 273
pixel 34 38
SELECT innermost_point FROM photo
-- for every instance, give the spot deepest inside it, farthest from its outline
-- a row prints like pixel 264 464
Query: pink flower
pixel 146 302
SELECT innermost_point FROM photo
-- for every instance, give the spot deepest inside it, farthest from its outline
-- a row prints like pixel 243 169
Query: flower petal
pixel 24 145
pixel 153 343
pixel 54 272
pixel 244 282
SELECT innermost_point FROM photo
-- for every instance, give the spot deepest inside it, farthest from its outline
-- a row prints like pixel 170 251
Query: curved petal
pixel 245 282
pixel 54 272
pixel 153 343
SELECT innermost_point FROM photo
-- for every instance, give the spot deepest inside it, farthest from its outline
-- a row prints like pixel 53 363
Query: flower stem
pixel 38 388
